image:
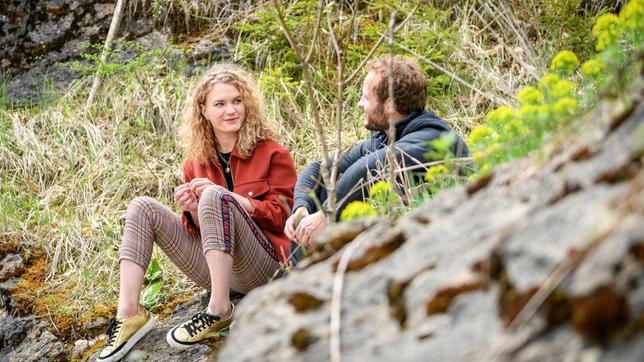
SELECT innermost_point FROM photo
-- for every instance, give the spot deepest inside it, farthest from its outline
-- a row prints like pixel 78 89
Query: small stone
pixel 136 356
pixel 11 266
pixel 79 347
pixel 10 284
pixel 103 10
pixel 97 323
pixel 55 7
pixel 5 63
pixel 203 48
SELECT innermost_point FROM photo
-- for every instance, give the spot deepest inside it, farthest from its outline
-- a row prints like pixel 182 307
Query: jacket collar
pixel 400 126
pixel 236 153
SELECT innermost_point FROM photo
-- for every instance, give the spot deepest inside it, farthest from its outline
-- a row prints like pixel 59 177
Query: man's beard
pixel 378 120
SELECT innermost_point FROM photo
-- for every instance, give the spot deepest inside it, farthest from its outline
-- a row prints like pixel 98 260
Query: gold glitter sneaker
pixel 122 335
pixel 201 326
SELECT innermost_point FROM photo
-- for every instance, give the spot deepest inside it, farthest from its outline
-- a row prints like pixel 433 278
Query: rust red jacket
pixel 267 178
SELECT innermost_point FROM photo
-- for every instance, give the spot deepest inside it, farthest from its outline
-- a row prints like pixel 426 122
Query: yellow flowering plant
pixel 382 193
pixel 564 62
pixel 606 31
pixel 356 210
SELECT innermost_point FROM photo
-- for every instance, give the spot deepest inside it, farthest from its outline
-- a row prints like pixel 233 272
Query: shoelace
pixel 200 321
pixel 112 330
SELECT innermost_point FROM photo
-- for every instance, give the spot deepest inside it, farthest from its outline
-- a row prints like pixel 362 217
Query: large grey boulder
pixel 541 261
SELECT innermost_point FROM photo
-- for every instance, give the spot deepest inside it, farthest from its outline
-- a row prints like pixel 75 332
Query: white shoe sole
pixel 147 327
pixel 175 344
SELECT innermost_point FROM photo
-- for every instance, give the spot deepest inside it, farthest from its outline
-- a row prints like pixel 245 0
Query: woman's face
pixel 225 110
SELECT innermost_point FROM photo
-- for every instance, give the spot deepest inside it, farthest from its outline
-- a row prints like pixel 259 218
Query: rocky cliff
pixel 542 260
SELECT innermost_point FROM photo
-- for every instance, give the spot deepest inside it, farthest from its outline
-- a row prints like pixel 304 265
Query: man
pixel 414 127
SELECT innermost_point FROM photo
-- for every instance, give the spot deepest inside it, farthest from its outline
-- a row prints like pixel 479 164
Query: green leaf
pixel 152 294
pixel 154 271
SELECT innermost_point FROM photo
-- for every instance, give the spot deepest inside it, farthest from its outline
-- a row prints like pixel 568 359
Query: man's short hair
pixel 410 83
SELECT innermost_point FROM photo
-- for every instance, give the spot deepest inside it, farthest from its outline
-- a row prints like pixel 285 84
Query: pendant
pixel 227 170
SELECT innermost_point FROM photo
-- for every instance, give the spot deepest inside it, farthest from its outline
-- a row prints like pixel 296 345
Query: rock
pixel 11 266
pixel 543 261
pixel 80 346
pixel 207 49
pixel 32 35
pixel 96 324
pixel 103 11
pixel 23 339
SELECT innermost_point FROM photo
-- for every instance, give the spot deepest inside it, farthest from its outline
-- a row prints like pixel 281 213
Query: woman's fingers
pixel 192 206
pixel 289 229
pixel 199 184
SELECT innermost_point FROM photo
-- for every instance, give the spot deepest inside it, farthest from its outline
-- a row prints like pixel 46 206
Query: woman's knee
pixel 213 196
pixel 143 205
pixel 214 191
pixel 144 210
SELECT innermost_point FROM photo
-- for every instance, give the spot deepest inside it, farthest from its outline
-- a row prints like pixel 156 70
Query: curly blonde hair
pixel 196 134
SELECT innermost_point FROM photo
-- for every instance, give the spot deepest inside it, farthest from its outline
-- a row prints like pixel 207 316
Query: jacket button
pixel 250 193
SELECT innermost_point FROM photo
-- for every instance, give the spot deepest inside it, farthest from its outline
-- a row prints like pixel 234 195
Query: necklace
pixel 226 162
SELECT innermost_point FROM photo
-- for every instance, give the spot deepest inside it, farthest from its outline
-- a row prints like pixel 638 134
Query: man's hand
pixel 186 199
pixel 197 185
pixel 294 220
pixel 310 227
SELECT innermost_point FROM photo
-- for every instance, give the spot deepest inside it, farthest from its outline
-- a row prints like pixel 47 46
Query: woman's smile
pixel 224 108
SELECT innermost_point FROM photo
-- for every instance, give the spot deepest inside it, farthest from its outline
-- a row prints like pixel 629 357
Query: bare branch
pixel 391 158
pixel 528 68
pixel 324 168
pixel 375 47
pixel 114 26
pixel 338 114
pixel 454 76
pixel 336 299
pixel 316 30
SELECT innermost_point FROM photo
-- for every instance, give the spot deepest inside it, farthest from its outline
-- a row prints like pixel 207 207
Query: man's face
pixel 375 118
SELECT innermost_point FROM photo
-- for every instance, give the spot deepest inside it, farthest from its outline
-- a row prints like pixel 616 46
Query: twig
pixel 528 68
pixel 116 20
pixel 526 313
pixel 324 167
pixel 433 163
pixel 316 30
pixel 454 76
pixel 336 299
pixel 338 115
pixel 391 158
pixel 375 47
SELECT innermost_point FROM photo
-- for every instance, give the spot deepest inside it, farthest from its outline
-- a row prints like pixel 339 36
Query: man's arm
pixel 409 150
pixel 311 180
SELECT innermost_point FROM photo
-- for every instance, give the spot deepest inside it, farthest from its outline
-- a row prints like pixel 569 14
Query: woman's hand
pixel 293 221
pixel 198 185
pixel 186 199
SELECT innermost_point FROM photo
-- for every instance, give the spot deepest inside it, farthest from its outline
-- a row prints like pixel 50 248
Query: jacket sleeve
pixel 310 180
pixel 272 211
pixel 186 218
pixel 409 150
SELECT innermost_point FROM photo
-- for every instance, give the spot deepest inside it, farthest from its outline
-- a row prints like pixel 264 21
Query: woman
pixel 236 196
